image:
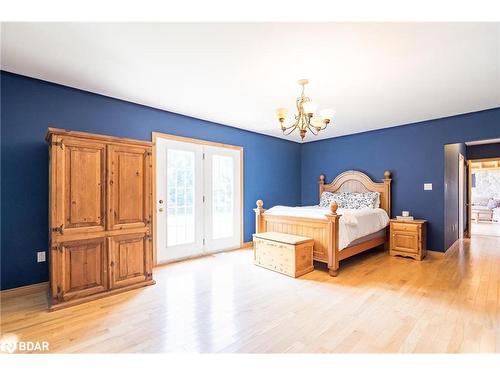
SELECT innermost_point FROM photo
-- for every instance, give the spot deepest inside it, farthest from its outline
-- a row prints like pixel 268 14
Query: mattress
pixel 353 224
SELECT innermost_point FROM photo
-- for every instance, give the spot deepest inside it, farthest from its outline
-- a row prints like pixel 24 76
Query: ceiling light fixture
pixel 306 119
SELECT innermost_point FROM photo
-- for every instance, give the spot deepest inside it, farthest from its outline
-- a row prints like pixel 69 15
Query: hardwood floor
pixel 485 229
pixel 223 303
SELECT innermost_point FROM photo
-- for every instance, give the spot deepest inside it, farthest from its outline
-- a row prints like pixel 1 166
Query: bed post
pixel 333 240
pixel 387 191
pixel 259 217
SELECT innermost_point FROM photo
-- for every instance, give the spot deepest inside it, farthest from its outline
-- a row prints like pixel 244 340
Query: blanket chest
pixel 285 253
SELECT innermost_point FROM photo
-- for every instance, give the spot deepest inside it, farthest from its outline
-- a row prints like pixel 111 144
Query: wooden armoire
pixel 100 210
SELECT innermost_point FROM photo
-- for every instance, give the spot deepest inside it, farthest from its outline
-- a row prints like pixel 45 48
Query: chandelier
pixel 305 119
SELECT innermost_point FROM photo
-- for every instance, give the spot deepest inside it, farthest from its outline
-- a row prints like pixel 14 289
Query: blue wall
pixel 490 150
pixel 29 106
pixel 413 153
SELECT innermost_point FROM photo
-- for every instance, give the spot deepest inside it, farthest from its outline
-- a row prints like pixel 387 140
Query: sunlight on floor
pixel 486 229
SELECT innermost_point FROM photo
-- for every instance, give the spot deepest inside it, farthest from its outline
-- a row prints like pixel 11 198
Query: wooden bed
pixel 325 232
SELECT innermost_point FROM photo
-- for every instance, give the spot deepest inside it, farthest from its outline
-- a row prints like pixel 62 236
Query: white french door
pixel 198 199
pixel 222 198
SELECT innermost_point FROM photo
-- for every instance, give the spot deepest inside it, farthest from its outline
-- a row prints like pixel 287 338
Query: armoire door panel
pixel 83 268
pixel 81 171
pixel 129 259
pixel 129 187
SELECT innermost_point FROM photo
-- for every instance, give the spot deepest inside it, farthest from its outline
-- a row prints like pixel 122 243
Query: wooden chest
pixel 285 253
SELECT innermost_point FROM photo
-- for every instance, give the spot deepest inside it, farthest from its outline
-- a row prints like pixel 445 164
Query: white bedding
pixel 353 224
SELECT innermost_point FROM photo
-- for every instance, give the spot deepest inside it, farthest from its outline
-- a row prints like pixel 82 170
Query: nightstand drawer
pixel 406 242
pixel 405 227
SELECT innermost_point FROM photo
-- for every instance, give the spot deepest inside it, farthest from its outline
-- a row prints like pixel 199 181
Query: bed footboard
pixel 325 232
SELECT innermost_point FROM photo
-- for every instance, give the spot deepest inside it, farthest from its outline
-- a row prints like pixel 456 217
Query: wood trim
pixel 242 193
pixel 485 159
pixel 468 203
pixel 247 245
pixel 461 199
pixel 154 208
pixel 25 290
pixel 93 136
pixel 482 167
pixel 154 137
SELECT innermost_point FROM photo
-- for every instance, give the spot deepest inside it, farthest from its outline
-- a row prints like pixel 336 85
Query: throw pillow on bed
pixel 356 201
pixel 327 198
pixel 353 201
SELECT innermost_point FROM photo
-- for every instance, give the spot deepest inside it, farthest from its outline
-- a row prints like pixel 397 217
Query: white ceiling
pixel 375 75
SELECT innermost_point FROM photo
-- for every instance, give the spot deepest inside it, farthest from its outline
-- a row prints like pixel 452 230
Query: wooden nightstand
pixel 408 238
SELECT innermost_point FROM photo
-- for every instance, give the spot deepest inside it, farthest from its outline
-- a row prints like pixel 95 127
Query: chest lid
pixel 286 238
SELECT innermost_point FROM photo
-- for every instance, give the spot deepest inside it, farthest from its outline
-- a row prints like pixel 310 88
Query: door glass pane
pixel 180 193
pixel 222 196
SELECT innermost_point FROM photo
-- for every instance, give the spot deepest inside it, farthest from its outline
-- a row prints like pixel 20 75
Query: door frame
pixel 468 202
pixel 461 200
pixel 469 190
pixel 154 137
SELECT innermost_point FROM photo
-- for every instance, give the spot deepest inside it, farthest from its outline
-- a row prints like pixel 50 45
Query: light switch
pixel 40 256
pixel 428 186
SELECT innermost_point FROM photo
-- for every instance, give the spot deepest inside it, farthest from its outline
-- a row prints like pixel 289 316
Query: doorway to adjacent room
pixel 485 196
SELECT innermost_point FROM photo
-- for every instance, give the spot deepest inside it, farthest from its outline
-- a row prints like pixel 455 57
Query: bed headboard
pixel 358 182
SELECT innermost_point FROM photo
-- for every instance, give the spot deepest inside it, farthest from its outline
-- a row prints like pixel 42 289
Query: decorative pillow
pixel 356 201
pixel 328 197
pixel 353 201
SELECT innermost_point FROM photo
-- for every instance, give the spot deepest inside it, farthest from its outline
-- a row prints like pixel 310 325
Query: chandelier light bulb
pixel 309 107
pixel 281 113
